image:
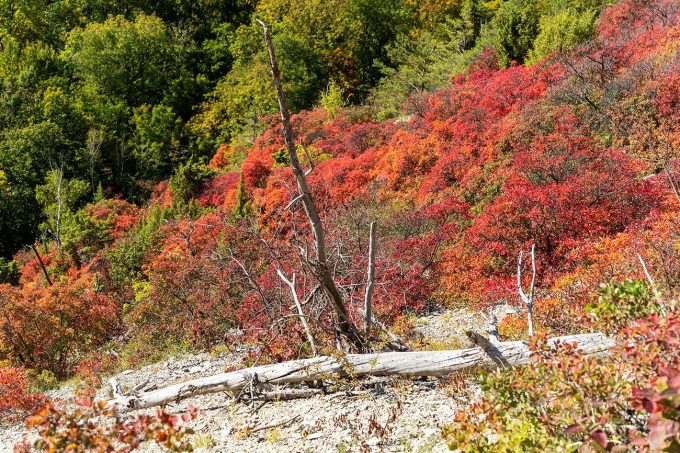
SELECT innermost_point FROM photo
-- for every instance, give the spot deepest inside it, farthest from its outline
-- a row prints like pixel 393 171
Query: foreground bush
pixel 89 428
pixel 16 400
pixel 566 402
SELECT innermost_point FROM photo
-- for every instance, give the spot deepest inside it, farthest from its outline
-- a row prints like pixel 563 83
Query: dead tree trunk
pixel 670 180
pixel 59 181
pixel 425 363
pixel 321 268
pixel 370 278
pixel 42 265
pixel 528 299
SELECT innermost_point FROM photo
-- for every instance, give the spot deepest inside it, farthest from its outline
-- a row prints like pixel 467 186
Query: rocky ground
pixel 394 415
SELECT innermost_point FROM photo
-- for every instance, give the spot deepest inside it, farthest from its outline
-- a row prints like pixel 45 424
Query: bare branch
pixel 309 159
pixel 303 319
pixel 116 389
pixel 652 285
pixel 670 180
pixel 293 201
pixel 533 272
pixel 42 265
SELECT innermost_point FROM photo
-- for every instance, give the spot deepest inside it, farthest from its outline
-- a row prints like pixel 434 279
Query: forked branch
pixel 298 305
pixel 528 299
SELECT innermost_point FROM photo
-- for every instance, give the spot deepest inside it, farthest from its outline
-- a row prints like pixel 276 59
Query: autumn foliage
pixel 575 155
pixel 565 401
pixel 16 399
pixel 93 427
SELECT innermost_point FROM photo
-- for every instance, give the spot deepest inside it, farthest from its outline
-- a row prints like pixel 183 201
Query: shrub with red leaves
pixel 15 399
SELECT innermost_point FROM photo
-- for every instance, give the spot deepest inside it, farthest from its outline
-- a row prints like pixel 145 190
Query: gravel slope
pixel 396 415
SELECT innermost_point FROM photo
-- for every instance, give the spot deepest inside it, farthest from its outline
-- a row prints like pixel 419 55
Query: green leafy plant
pixel 621 303
pixel 566 402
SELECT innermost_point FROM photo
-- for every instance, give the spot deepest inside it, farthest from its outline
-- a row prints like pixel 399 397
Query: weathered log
pixel 417 363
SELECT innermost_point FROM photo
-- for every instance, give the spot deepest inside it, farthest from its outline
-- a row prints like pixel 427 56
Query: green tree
pixel 17 214
pixel 187 179
pixel 517 26
pixel 9 271
pixel 371 25
pixel 332 99
pixel 158 131
pixel 59 198
pixel 135 61
pixel 565 29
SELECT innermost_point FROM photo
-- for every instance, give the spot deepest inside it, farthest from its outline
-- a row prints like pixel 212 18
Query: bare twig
pixel 293 201
pixel 277 425
pixel 287 394
pixel 652 285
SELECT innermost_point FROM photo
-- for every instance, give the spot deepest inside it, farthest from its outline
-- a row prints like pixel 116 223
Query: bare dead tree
pixel 420 363
pixel 320 266
pixel 303 319
pixel 95 138
pixel 528 299
pixel 370 279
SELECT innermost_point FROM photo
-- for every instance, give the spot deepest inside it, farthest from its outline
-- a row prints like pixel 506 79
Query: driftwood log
pixel 419 363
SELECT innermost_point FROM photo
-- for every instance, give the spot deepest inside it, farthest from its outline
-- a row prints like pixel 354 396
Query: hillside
pixel 561 159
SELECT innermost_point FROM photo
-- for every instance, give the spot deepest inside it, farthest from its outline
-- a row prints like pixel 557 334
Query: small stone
pixel 373 441
pixel 315 435
pixel 126 372
pixel 195 369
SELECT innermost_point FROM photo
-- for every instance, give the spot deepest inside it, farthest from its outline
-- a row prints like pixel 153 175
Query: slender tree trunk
pixel 528 299
pixel 670 180
pixel 42 265
pixel 370 278
pixel 322 271
pixel 60 180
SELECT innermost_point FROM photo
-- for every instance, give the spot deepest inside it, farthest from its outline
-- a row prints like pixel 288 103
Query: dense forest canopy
pixel 118 94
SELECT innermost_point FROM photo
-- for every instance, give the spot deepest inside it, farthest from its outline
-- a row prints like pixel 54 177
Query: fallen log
pixel 417 363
